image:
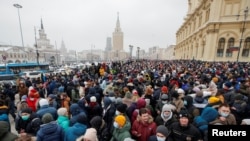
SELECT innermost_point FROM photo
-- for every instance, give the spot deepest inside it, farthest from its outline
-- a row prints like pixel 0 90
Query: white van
pixel 32 74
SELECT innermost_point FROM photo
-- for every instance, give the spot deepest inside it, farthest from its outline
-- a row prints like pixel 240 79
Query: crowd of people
pixel 133 100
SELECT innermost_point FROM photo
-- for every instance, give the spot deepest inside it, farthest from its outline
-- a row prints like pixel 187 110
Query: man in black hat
pixel 183 129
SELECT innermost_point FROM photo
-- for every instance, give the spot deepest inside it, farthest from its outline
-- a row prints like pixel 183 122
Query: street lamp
pixel 242 31
pixel 138 51
pixel 18 7
pixel 131 49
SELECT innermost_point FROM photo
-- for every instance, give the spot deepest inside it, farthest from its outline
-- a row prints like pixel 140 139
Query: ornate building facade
pixel 212 31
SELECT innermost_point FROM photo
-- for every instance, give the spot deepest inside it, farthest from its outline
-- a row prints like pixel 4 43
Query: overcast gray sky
pixel 82 23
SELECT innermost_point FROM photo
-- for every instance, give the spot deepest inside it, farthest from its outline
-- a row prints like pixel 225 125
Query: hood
pixel 49 128
pixel 189 100
pixel 209 114
pixel 107 101
pixel 75 109
pixel 91 91
pixel 4 128
pixel 141 103
pixel 78 129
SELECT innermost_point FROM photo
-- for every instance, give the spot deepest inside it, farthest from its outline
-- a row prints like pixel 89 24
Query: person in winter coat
pixel 93 108
pixel 144 126
pixel 63 119
pixel 98 123
pixel 45 108
pixel 192 110
pixel 166 117
pixel 120 131
pixel 201 122
pixel 161 134
pixel 108 113
pixel 49 130
pixel 27 122
pixel 32 99
pixel 90 135
pixel 183 130
pixel 78 129
pixel 141 103
pixel 75 111
pixel 65 101
pixel 5 134
pixel 163 100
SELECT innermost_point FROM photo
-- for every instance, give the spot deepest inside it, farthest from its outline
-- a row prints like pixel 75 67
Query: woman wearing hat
pixel 121 131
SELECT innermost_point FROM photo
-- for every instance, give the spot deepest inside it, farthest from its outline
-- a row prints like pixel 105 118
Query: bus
pixel 19 68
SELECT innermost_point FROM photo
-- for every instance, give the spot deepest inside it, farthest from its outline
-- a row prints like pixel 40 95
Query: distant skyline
pixel 85 23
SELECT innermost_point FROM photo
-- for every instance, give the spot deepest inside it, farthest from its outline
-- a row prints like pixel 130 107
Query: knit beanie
pixel 163 130
pixel 47 118
pixel 121 120
pixel 61 111
pixel 27 110
pixel 213 100
pixel 121 108
pixel 90 134
pixel 164 97
pixel 166 107
pixel 183 113
pixel 164 89
pixel 43 102
pixel 82 118
pixel 24 98
pixel 97 122
pixel 92 99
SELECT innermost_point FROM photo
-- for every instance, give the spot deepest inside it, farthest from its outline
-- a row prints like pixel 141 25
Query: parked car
pixel 31 74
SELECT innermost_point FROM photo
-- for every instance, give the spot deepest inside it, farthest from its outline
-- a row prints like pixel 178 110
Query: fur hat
pixel 92 99
pixel 122 108
pixel 121 120
pixel 163 130
pixel 180 91
pixel 47 118
pixel 61 111
pixel 91 134
pixel 43 102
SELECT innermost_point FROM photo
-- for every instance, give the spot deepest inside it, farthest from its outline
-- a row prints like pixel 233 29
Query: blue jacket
pixel 50 132
pixel 47 109
pixel 77 130
pixel 63 121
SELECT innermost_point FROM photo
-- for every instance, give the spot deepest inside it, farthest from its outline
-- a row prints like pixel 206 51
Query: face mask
pixel 117 112
pixel 32 99
pixel 116 125
pixel 161 139
pixel 165 102
pixel 185 102
pixel 25 117
pixel 223 114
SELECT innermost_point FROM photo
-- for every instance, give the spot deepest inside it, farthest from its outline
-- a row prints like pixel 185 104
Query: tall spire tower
pixel 117 36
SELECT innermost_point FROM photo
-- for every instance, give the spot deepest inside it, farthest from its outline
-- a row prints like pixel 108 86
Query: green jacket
pixel 119 134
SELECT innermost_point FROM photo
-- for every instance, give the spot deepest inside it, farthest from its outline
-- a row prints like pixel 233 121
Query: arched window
pixel 220 48
pixel 246 49
pixel 230 44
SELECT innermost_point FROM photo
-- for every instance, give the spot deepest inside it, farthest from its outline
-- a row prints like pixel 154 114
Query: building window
pixel 221 46
pixel 200 19
pixel 230 44
pixel 246 49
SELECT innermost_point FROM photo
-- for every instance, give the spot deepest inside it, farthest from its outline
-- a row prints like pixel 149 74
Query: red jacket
pixel 145 129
